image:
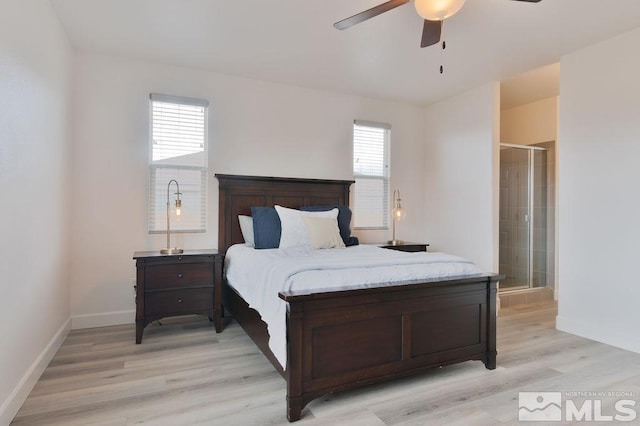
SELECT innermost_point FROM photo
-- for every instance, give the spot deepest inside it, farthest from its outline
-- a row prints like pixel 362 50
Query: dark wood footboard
pixel 344 339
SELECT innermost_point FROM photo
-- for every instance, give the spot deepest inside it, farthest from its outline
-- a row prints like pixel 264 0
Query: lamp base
pixel 395 242
pixel 171 250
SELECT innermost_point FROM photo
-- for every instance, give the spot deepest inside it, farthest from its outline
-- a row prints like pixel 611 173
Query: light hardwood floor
pixel 184 373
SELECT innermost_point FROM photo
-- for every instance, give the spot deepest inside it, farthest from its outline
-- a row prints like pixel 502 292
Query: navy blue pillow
pixel 344 221
pixel 266 227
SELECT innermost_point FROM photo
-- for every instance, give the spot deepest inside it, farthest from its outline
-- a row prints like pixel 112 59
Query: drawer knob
pixel 179 300
pixel 180 275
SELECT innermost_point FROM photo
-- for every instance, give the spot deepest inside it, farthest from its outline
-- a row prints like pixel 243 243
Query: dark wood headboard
pixel 239 193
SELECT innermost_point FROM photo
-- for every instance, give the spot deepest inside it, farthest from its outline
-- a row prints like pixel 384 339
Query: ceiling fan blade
pixel 431 33
pixel 368 14
pixel 530 1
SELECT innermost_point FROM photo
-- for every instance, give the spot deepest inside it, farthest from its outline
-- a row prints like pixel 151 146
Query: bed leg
pixel 295 402
pixel 492 297
pixel 490 360
pixel 294 408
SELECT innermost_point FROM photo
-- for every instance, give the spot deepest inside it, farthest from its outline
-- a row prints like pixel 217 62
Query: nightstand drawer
pixel 176 302
pixel 158 277
pixel 175 258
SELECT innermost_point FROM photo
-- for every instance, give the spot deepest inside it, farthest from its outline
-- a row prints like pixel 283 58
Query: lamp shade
pixel 438 10
pixel 398 213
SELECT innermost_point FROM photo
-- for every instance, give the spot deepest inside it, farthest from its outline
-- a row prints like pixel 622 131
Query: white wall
pixel 598 192
pixel 535 122
pixel 461 184
pixel 35 70
pixel 255 128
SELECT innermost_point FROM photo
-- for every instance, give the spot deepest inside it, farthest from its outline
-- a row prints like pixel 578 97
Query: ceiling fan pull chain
pixel 444 46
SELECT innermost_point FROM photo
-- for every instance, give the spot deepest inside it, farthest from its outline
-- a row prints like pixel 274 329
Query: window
pixel 371 173
pixel 178 151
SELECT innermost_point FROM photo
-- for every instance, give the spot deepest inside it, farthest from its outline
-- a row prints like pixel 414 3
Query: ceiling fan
pixel 433 12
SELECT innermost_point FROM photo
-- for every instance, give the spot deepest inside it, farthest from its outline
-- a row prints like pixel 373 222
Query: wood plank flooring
pixel 184 373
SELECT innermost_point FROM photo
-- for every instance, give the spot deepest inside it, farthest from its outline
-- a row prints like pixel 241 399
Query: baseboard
pixel 12 404
pixel 103 319
pixel 614 337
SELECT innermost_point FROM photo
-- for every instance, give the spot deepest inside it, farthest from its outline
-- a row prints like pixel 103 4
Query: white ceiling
pixel 294 42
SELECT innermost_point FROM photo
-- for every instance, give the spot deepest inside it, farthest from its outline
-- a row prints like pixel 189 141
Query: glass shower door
pixel 515 217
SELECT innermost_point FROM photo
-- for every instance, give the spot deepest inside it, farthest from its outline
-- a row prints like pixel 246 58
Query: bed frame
pixel 350 337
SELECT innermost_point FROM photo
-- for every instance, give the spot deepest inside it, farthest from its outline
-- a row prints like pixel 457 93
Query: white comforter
pixel 259 275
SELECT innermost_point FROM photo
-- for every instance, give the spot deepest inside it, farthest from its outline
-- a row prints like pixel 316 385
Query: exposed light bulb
pixel 438 10
pixel 178 207
pixel 398 213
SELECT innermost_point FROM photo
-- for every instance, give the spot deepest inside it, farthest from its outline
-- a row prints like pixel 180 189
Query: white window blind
pixel 371 173
pixel 178 151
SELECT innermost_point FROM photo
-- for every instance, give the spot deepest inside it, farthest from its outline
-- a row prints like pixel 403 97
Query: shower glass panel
pixel 515 217
pixel 539 245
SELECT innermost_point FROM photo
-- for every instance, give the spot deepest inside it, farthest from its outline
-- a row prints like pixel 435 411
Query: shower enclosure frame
pixel 530 213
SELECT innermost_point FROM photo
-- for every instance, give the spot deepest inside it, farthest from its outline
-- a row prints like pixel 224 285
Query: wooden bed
pixel 351 337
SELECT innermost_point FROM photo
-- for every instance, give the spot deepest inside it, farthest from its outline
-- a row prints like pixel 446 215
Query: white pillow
pixel 323 232
pixel 294 231
pixel 246 226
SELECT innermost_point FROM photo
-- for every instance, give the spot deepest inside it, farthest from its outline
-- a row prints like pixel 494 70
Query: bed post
pixel 492 290
pixel 294 361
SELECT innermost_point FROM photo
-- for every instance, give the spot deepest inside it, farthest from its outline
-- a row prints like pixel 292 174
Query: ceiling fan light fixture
pixel 438 10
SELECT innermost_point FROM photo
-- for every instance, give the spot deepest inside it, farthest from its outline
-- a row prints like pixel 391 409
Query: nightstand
pixel 179 284
pixel 410 247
